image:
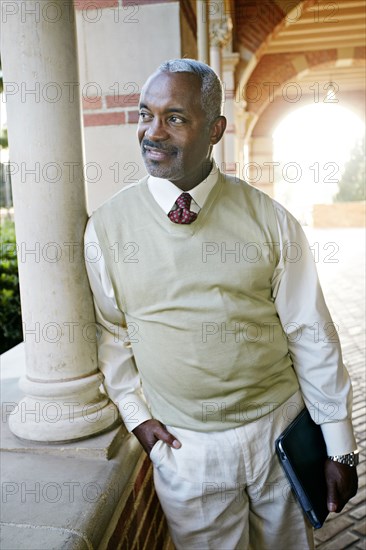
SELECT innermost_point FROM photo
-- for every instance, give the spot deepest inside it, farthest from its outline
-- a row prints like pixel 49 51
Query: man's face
pixel 173 132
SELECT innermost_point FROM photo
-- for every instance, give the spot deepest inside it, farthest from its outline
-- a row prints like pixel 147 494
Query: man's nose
pixel 156 130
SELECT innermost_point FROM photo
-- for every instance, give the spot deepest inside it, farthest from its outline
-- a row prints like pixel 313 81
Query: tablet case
pixel 302 453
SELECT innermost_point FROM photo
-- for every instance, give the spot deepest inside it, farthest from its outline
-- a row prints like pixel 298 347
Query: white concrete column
pixel 62 401
pixel 261 168
pixel 216 58
pixel 203 31
pixel 239 117
pixel 231 158
pixel 220 31
pixel 216 64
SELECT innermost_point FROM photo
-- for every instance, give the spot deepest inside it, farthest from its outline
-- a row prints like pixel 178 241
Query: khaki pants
pixel 226 490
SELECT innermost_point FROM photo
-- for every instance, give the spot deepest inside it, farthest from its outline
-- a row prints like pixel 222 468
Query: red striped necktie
pixel 183 214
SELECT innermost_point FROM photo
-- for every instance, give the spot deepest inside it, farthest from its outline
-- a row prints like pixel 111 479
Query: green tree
pixel 10 313
pixel 352 184
pixel 4 138
pixel 5 190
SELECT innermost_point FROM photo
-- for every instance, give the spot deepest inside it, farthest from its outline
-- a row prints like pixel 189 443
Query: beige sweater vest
pixel 205 333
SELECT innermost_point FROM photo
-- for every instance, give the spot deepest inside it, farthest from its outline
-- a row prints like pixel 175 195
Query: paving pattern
pixel 343 284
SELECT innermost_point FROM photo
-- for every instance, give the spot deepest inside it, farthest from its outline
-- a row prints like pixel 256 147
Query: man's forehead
pixel 169 84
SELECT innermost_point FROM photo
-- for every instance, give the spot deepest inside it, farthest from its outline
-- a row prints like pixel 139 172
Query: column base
pixel 58 412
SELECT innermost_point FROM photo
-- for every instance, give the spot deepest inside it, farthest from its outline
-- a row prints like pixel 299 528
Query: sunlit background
pixel 312 145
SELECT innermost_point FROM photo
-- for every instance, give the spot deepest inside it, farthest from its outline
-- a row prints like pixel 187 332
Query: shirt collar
pixel 166 193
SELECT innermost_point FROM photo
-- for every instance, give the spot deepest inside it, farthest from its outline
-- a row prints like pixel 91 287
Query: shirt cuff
pixel 134 410
pixel 339 437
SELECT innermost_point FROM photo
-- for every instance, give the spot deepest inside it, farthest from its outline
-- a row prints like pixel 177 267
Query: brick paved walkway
pixel 344 288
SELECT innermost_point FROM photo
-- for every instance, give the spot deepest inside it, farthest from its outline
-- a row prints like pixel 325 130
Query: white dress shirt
pixel 298 300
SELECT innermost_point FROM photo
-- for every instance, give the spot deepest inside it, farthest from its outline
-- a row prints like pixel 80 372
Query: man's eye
pixel 144 116
pixel 176 120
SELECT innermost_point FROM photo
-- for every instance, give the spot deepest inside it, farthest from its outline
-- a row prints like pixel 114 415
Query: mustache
pixel 157 145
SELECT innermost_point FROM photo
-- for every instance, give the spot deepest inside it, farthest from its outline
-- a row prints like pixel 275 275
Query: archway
pixel 311 146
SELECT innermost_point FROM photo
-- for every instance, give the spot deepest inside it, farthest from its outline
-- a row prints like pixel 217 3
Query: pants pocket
pixel 156 452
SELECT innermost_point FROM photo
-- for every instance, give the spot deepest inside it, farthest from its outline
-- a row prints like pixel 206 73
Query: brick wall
pixel 141 525
pixel 112 71
pixel 111 110
pixel 105 101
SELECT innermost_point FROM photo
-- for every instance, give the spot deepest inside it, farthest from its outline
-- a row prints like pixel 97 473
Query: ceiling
pixel 324 25
pixel 327 26
pixel 311 42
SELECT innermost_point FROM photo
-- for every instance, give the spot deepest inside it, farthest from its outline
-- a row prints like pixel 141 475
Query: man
pixel 221 320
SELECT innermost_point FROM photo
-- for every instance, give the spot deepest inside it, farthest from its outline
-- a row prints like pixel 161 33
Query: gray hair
pixel 211 86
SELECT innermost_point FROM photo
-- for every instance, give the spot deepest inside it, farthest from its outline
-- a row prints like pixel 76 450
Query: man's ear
pixel 218 129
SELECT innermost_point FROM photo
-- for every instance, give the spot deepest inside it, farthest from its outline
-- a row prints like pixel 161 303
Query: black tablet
pixel 302 453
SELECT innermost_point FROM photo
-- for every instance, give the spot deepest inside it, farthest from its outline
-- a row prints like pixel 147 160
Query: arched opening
pixel 312 145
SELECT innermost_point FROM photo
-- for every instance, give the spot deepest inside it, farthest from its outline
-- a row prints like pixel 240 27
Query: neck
pixel 192 181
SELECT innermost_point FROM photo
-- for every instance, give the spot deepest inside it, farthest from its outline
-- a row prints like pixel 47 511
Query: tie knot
pixel 182 214
pixel 184 200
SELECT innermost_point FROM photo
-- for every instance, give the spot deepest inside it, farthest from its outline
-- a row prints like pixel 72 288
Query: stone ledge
pixel 42 537
pixel 101 446
pixel 60 501
pixel 60 496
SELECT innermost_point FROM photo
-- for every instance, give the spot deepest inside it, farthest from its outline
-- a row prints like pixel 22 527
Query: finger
pixel 332 497
pixel 168 438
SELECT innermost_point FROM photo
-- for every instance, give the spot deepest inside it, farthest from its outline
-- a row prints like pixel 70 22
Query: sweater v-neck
pixel 160 217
